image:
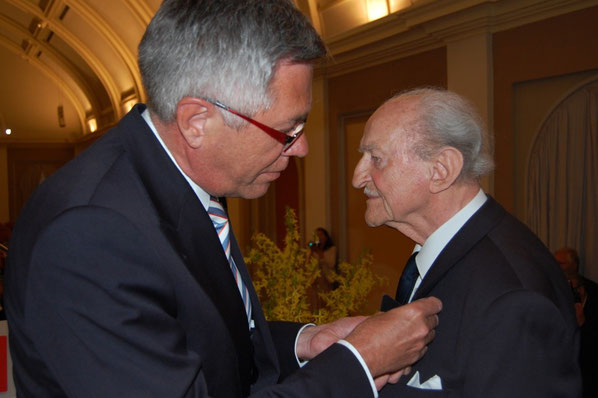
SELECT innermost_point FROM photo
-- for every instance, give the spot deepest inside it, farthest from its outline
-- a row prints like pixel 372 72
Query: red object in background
pixel 3 364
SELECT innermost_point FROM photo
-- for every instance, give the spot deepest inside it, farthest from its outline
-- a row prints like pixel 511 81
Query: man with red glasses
pixel 124 279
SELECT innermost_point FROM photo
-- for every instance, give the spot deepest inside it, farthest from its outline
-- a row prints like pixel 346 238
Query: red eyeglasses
pixel 286 139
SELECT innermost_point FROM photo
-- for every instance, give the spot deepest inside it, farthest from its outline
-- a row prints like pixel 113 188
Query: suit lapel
pixel 188 227
pixel 476 228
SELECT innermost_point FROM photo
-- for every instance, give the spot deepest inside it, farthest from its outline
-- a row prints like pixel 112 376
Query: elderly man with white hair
pixel 507 328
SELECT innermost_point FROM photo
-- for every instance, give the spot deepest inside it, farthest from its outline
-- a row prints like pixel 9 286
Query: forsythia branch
pixel 283 279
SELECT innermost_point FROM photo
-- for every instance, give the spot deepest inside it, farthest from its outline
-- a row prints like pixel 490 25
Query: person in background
pixel 507 328
pixel 323 248
pixel 124 278
pixel 586 292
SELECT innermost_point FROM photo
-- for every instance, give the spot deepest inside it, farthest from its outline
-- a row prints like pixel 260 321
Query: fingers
pixel 429 337
pixel 394 377
pixel 391 378
pixel 429 305
pixel 315 339
pixel 381 381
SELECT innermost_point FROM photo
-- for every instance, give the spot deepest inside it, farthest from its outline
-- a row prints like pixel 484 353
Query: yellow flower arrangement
pixel 283 278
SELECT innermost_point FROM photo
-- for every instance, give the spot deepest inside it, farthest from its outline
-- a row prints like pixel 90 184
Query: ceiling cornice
pixel 430 24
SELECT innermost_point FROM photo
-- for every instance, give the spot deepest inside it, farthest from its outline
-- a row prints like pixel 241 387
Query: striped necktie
pixel 220 221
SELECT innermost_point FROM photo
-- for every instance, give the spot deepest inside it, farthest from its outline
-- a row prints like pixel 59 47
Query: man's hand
pixel 315 339
pixel 393 340
pixel 393 378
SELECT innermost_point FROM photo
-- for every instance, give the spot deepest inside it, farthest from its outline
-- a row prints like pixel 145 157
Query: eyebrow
pixel 296 120
pixel 301 118
pixel 366 148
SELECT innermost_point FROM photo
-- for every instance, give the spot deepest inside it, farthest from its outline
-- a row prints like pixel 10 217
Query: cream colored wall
pixel 469 73
pixel 317 185
pixel 4 210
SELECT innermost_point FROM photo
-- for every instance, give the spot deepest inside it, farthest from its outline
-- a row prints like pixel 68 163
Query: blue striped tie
pixel 220 221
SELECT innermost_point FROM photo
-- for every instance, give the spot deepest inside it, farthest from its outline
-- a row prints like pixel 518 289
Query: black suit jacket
pixel 117 286
pixel 507 328
pixel 589 340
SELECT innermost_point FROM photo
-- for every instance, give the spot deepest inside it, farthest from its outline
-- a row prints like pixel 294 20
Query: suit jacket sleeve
pixel 522 349
pixel 284 335
pixel 102 315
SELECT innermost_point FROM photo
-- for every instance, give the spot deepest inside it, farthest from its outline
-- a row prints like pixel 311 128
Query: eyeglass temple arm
pixel 277 135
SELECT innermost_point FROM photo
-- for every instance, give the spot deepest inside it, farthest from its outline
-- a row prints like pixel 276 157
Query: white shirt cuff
pixel 301 363
pixel 362 362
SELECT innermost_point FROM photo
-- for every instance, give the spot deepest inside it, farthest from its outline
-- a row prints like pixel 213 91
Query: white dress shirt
pixel 441 237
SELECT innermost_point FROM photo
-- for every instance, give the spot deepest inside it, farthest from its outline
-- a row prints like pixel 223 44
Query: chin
pixel 372 222
pixel 254 191
pixel 372 218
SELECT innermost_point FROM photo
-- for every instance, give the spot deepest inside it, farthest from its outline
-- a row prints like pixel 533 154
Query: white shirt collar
pixel 203 196
pixel 441 237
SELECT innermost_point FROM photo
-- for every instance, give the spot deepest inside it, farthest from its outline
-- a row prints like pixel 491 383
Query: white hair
pixel 445 118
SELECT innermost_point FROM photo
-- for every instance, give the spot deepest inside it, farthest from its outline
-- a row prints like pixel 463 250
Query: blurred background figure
pixel 586 295
pixel 324 249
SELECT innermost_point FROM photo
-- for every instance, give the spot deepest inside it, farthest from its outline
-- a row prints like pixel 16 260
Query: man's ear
pixel 446 168
pixel 191 116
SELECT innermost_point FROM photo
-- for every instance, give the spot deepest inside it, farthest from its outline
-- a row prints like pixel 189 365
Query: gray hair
pixel 225 50
pixel 448 119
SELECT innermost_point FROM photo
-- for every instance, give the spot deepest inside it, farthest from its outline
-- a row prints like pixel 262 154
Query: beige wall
pixel 469 73
pixel 317 183
pixel 551 48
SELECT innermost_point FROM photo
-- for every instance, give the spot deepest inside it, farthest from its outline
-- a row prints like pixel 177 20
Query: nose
pixel 299 147
pixel 360 174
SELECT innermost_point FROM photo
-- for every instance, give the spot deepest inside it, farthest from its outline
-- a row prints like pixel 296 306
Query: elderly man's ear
pixel 192 115
pixel 446 168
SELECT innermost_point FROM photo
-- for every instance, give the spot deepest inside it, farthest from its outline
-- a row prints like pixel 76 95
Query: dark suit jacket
pixel 507 328
pixel 117 286
pixel 589 340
